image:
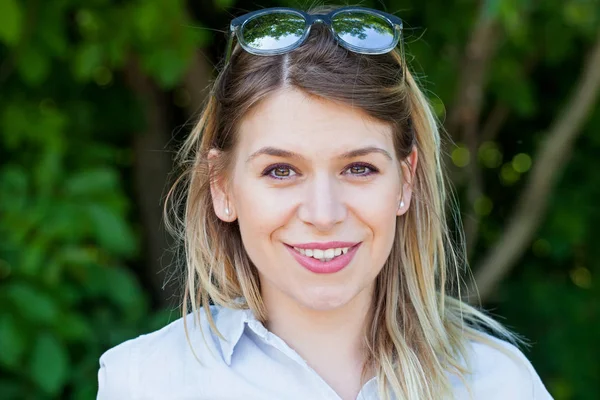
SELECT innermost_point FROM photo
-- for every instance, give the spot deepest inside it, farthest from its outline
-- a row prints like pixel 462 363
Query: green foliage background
pixel 72 279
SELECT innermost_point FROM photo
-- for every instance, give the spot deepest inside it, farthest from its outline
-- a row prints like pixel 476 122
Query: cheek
pixel 257 201
pixel 261 212
pixel 376 209
pixel 376 205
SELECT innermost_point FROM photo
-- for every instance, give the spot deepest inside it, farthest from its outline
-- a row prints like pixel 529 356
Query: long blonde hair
pixel 419 326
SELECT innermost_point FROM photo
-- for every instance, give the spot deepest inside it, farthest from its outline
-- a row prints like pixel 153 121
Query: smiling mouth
pixel 323 262
pixel 323 255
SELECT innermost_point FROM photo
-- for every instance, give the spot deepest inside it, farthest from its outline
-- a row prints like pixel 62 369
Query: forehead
pixel 314 126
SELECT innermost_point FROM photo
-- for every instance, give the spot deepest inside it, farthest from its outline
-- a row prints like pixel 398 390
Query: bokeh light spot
pixel 461 156
pixel 490 155
pixel 521 162
pixel 581 277
pixel 508 175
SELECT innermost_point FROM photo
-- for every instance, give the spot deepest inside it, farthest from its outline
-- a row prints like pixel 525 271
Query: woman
pixel 318 258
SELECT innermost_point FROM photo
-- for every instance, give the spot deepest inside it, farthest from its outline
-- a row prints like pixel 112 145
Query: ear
pixel 409 168
pixel 220 197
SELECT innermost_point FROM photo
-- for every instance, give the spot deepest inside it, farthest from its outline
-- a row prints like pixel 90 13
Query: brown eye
pixel 282 172
pixel 361 170
pixel 358 169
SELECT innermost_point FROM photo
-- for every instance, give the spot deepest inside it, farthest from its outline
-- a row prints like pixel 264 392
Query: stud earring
pixel 226 210
pixel 401 203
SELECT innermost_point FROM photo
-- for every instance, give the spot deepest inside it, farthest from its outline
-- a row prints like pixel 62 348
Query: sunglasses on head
pixel 279 30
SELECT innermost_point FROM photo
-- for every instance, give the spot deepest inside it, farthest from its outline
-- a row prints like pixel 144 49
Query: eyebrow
pixel 274 151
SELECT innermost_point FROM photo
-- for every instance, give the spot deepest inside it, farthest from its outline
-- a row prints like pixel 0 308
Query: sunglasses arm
pixel 229 48
pixel 402 54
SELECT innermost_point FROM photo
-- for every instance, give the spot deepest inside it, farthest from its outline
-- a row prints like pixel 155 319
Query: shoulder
pixel 158 358
pixel 501 371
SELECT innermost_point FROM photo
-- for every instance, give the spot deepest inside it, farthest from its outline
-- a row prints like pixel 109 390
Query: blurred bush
pixel 66 219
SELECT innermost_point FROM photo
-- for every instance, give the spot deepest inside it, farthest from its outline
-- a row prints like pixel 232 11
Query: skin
pixel 319 198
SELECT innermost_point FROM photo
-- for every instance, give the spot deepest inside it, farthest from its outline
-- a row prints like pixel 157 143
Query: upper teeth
pixel 322 254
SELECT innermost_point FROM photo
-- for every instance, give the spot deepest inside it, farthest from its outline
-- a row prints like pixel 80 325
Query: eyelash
pixel 267 172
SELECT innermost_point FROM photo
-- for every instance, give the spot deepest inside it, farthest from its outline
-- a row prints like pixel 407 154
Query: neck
pixel 327 339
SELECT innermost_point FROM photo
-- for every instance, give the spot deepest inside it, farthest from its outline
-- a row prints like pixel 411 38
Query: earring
pixel 401 203
pixel 226 210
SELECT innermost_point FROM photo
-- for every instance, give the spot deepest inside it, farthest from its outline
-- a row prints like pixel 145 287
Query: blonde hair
pixel 419 326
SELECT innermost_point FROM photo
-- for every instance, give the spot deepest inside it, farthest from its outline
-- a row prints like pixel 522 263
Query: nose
pixel 323 206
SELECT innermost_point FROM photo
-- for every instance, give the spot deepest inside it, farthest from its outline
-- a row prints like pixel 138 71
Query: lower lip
pixel 328 267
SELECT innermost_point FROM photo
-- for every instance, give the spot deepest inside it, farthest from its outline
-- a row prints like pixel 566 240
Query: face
pixel 300 178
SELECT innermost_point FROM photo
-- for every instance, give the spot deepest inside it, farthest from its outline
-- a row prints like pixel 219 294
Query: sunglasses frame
pixel 237 25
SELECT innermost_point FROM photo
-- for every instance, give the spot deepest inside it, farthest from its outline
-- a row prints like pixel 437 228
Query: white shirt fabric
pixel 251 363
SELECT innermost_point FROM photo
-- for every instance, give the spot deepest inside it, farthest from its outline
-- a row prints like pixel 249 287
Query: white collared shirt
pixel 251 363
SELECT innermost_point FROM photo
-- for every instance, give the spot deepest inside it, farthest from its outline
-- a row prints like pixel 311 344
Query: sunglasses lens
pixel 364 30
pixel 273 31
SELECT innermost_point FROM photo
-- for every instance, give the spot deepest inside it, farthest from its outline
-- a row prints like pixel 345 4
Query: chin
pixel 325 299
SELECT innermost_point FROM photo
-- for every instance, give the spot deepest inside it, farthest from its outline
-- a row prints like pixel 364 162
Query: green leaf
pixel 91 182
pixel 12 342
pixel 148 20
pixel 167 65
pixel 49 172
pixel 11 19
pixel 78 255
pixel 111 230
pixel 33 259
pixel 117 284
pixel 13 186
pixel 35 305
pixel 87 58
pixel 124 288
pixel 74 326
pixel 33 65
pixel 53 27
pixel 581 15
pixel 49 363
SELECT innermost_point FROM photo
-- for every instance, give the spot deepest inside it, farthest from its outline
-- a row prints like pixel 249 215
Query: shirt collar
pixel 230 323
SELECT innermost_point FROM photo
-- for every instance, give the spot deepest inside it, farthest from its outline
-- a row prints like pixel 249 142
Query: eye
pixel 280 171
pixel 362 170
